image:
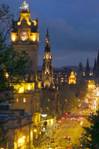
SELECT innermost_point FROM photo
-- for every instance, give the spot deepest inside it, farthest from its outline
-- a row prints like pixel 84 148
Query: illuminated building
pixel 72 78
pixel 47 70
pixel 29 101
pixel 25 36
pixel 17 130
pixel 91 85
pixel 27 94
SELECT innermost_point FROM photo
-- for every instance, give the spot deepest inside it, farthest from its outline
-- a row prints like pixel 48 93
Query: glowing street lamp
pixel 44 115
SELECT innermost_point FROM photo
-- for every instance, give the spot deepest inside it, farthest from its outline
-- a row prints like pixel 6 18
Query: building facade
pixel 16 128
pixel 25 36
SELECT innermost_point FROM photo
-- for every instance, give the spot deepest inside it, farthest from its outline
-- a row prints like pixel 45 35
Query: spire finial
pixel 24 6
pixel 47 33
pixel 47 36
pixel 47 42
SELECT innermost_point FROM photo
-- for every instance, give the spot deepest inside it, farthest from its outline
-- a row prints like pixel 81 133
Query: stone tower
pixel 47 70
pixel 25 36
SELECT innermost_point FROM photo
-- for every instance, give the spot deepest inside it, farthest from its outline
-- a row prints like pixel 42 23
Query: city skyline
pixel 49 74
pixel 73 28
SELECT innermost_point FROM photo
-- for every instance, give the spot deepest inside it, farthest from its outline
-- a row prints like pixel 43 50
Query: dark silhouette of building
pixel 80 70
pixel 87 69
pixel 96 66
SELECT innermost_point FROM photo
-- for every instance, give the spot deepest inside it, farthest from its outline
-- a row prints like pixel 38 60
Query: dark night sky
pixel 73 26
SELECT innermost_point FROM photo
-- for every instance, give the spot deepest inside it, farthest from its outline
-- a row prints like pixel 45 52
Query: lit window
pixel 13 37
pixel 17 100
pixel 48 100
pixel 24 100
pixel 21 90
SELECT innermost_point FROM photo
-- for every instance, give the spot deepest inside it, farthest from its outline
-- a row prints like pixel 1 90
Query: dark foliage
pixel 90 138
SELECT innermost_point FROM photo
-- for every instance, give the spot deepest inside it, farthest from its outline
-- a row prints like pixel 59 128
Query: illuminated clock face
pixel 24 36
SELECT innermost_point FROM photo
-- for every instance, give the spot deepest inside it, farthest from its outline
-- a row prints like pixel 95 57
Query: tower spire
pixel 47 35
pixel 47 42
pixel 87 69
pixel 47 70
pixel 24 6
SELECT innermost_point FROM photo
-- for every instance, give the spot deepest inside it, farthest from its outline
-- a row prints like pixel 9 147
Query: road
pixel 66 134
pixel 69 128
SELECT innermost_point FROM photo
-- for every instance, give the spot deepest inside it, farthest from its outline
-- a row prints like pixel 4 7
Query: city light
pixel 91 85
pixel 13 37
pixel 21 141
pixel 97 91
pixel 47 105
pixel 72 78
pixel 24 87
pixel 81 123
pixel 44 115
pixel 7 75
pixel 35 130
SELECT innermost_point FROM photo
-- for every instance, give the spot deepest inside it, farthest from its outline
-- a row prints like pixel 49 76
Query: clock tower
pixel 25 36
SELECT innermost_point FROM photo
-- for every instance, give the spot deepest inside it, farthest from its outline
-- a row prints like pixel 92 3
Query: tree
pixel 12 66
pixel 90 137
pixel 6 18
pixel 15 64
pixel 10 61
